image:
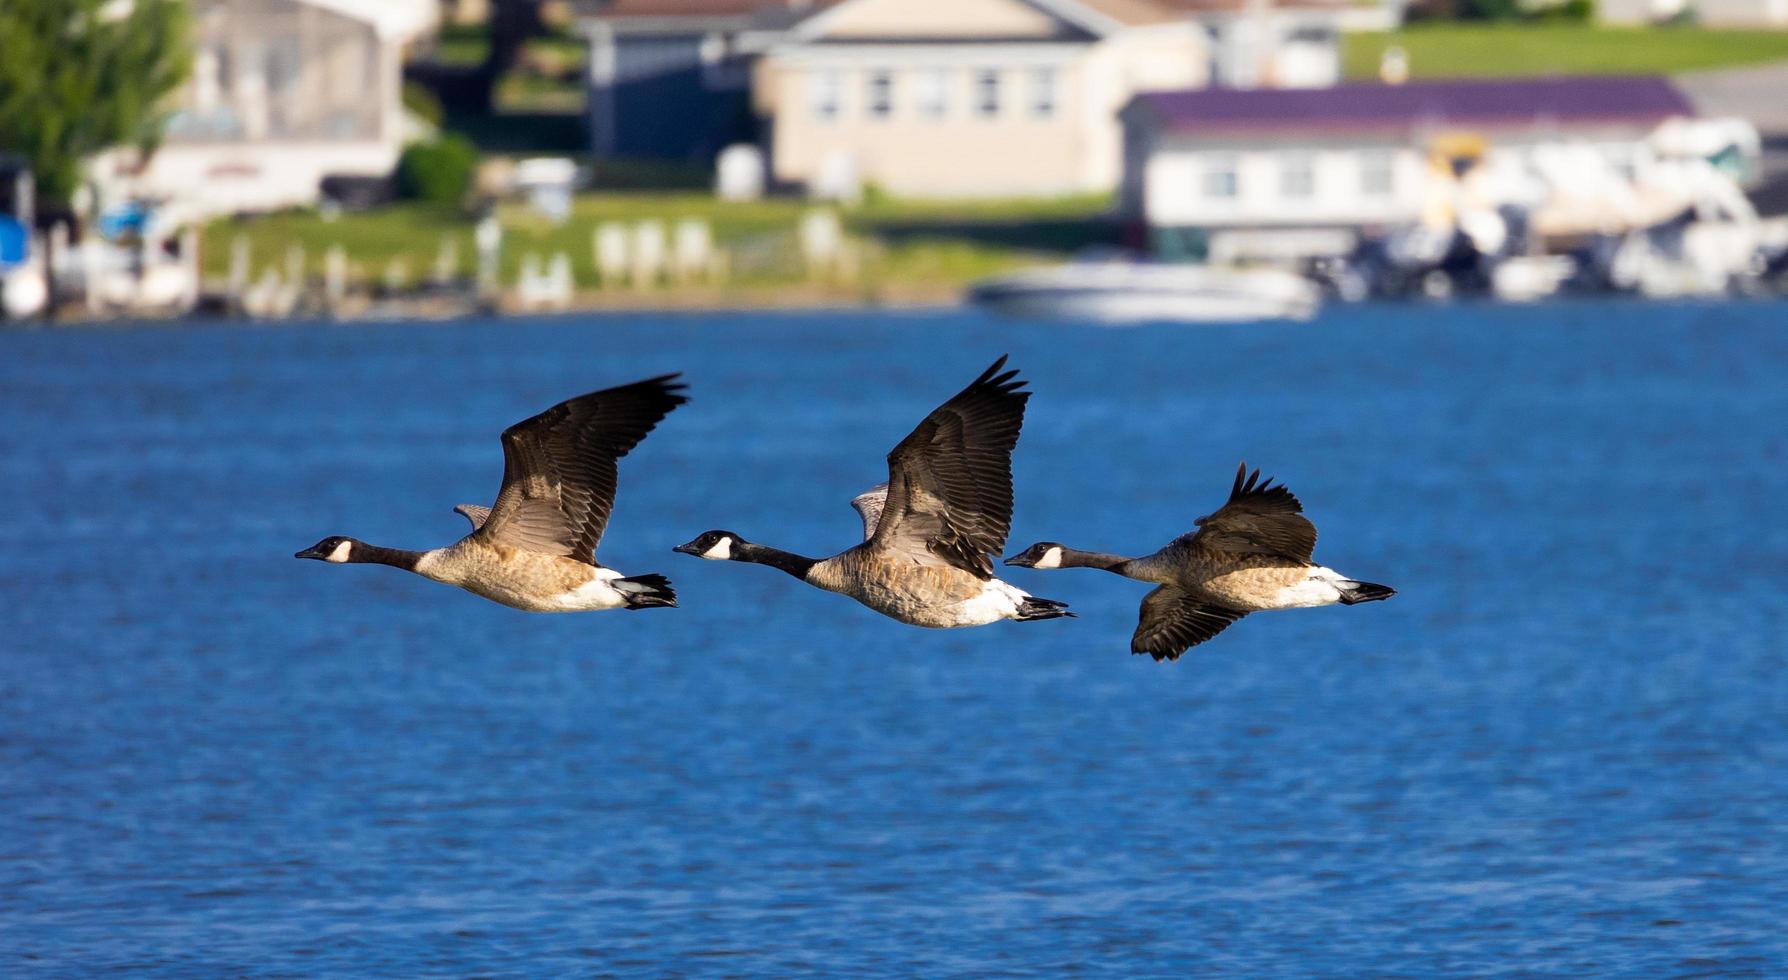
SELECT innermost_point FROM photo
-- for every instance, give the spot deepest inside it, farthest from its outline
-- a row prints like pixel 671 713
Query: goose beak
pixel 1021 561
pixel 688 549
pixel 313 552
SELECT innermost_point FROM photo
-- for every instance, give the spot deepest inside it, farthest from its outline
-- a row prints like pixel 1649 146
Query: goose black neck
pixel 1072 558
pixel 372 554
pixel 758 554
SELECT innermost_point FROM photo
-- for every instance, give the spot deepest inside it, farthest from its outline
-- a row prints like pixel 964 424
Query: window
pixel 1220 179
pixel 1297 176
pixel 1043 93
pixel 825 93
pixel 878 95
pixel 933 93
pixel 987 93
pixel 1377 173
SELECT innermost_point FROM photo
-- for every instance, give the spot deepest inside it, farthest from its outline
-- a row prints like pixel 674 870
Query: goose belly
pixel 938 598
pixel 533 583
pixel 1277 587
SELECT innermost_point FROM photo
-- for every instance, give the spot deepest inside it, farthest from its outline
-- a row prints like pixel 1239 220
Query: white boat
pixel 1134 292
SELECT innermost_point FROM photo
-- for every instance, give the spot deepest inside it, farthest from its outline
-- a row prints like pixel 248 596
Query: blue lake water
pixel 1562 749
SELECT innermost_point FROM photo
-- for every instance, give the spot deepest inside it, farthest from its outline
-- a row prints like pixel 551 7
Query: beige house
pixel 958 98
pixel 282 93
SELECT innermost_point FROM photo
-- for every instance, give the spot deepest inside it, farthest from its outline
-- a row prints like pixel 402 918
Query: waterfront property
pixel 671 79
pixel 969 97
pixel 1288 168
pixel 933 97
pixel 282 94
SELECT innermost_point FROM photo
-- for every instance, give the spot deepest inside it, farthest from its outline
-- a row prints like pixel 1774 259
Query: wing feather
pixel 1172 621
pixel 868 506
pixel 559 473
pixel 950 481
pixel 474 513
pixel 1259 518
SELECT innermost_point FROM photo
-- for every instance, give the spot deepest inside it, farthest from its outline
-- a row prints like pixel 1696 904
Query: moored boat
pixel 1135 292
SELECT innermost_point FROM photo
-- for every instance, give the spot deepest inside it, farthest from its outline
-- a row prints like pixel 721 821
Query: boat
pixel 1141 292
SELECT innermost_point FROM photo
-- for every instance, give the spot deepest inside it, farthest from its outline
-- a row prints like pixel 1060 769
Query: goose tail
pixel 1033 607
pixel 646 591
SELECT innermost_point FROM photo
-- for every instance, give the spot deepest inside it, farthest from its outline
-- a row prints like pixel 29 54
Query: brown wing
pixel 474 513
pixel 1172 621
pixel 950 481
pixel 1259 518
pixel 868 506
pixel 559 467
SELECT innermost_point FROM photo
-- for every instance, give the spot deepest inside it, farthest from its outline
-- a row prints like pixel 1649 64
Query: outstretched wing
pixel 474 513
pixel 950 481
pixel 559 467
pixel 1172 621
pixel 868 506
pixel 1259 518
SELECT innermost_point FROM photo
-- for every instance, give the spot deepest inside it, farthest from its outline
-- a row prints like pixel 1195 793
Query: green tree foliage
pixel 441 171
pixel 81 76
pixel 512 24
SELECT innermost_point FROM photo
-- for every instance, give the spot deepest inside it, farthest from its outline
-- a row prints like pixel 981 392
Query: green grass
pixel 919 244
pixel 1491 50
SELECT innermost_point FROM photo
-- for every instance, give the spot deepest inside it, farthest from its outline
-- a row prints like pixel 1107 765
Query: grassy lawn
pixel 1459 50
pixel 941 245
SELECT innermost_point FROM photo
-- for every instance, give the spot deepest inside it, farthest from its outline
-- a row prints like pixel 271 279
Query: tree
pixel 81 76
pixel 512 24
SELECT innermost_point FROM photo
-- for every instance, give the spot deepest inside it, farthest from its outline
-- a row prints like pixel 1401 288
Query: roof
pixel 1133 12
pixel 399 19
pixel 1122 12
pixel 1205 8
pixel 699 9
pixel 678 8
pixel 1644 99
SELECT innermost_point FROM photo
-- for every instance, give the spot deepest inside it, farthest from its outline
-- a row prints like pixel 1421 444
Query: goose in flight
pixel 535 548
pixel 1252 554
pixel 931 532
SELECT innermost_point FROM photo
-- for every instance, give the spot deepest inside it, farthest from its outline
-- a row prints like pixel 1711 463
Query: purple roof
pixel 1642 99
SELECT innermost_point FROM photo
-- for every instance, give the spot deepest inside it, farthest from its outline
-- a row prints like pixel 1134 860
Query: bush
pixel 440 171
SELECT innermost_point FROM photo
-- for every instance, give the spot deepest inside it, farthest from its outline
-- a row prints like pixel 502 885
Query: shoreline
pixel 454 306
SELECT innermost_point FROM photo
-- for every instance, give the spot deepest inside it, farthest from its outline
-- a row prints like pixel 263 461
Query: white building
pixel 1707 13
pixel 1289 165
pixel 282 93
pixel 1282 43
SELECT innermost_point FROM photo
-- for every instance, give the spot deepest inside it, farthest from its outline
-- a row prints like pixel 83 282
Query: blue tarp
pixel 15 243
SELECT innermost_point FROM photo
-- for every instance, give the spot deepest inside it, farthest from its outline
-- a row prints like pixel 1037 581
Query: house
pixel 1286 165
pixel 282 93
pixel 968 97
pixel 671 79
pixel 1281 43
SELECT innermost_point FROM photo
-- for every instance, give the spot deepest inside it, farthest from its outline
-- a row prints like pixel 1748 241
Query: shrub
pixel 440 171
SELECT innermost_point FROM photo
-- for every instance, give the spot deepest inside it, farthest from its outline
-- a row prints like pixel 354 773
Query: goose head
pixel 712 545
pixel 1043 554
pixel 335 549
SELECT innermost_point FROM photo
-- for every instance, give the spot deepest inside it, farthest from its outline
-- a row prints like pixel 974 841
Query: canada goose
pixel 931 531
pixel 535 549
pixel 1253 554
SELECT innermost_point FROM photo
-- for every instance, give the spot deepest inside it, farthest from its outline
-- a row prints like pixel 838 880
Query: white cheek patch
pixel 340 554
pixel 1051 559
pixel 722 550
